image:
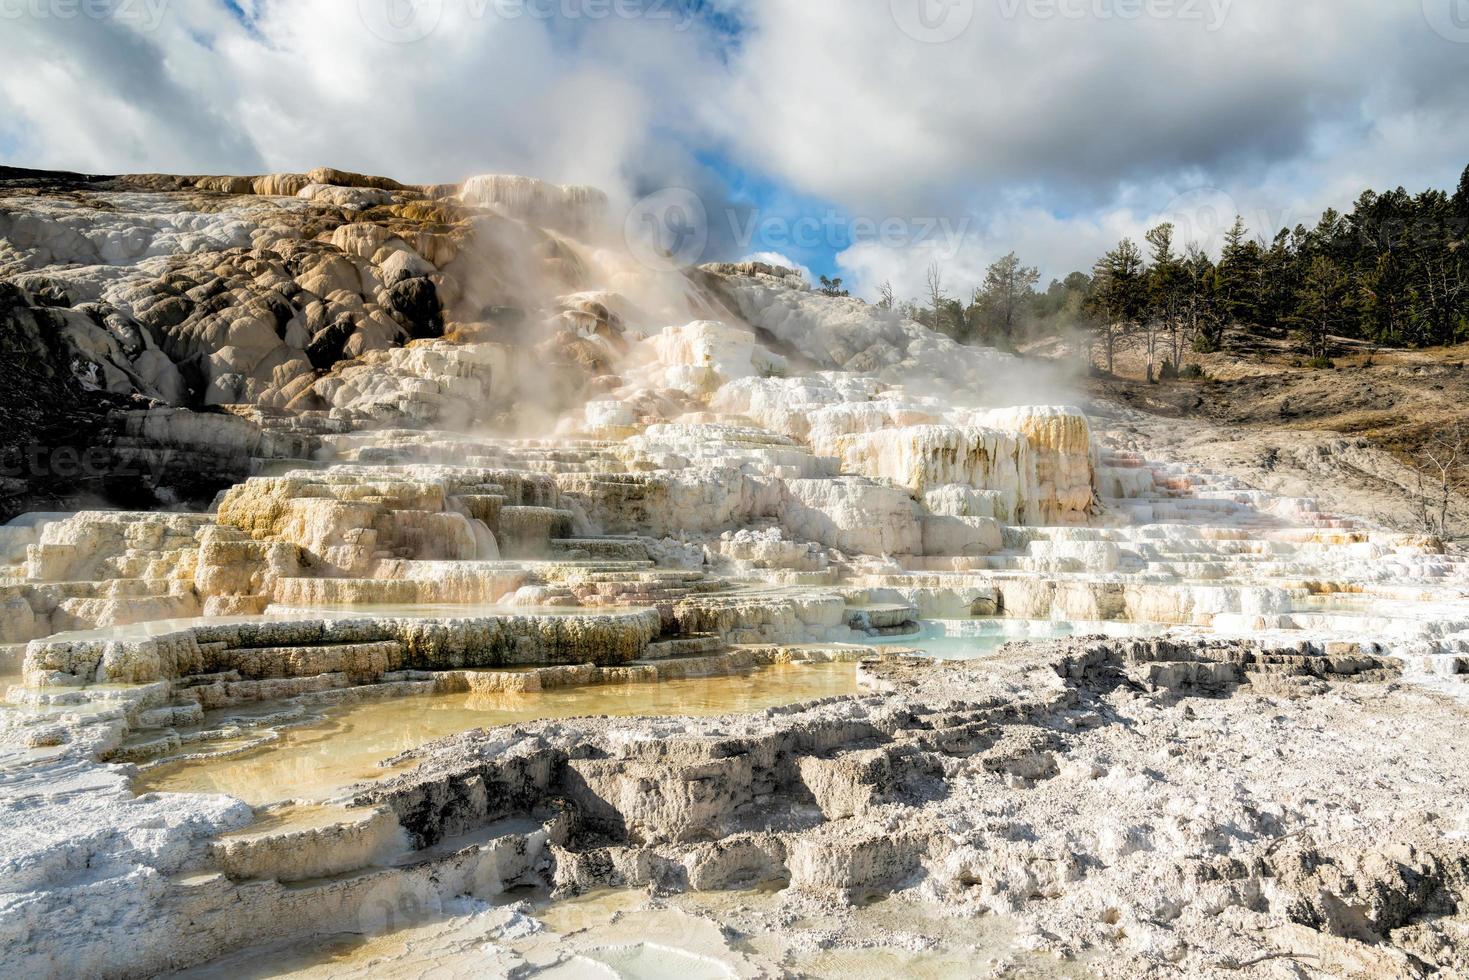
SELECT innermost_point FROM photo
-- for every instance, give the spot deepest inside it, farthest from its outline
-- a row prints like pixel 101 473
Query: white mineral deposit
pixel 442 578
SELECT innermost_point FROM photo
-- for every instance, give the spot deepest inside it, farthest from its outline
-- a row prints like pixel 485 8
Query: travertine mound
pixel 343 439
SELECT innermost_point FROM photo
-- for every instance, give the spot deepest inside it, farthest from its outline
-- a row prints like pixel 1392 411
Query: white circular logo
pixel 397 902
pixel 932 21
pixel 1202 216
pixel 1448 18
pixel 668 229
pixel 400 21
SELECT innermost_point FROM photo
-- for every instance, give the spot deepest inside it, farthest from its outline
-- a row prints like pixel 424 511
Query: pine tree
pixel 1320 308
pixel 1001 302
pixel 1401 267
pixel 1438 273
pixel 1165 293
pixel 1119 296
pixel 1280 276
pixel 832 287
pixel 1460 208
pixel 1379 301
pixel 1203 320
pixel 1239 275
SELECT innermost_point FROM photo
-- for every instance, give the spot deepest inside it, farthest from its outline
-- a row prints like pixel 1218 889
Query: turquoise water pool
pixel 968 639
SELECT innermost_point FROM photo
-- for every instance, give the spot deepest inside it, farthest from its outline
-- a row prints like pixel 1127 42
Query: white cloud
pixel 1057 135
pixel 1029 232
pixel 1051 127
pixel 836 98
pixel 308 82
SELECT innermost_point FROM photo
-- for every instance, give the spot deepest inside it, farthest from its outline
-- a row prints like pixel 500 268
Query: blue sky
pixel 763 215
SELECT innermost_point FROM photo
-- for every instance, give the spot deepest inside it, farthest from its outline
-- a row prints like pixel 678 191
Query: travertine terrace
pixel 393 441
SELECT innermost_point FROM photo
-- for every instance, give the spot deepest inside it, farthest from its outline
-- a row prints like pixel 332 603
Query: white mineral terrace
pixel 732 625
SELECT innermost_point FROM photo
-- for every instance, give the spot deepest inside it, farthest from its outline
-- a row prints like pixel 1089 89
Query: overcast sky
pixel 864 138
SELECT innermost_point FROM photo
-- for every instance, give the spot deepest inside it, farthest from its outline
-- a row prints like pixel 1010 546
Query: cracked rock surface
pixel 1135 821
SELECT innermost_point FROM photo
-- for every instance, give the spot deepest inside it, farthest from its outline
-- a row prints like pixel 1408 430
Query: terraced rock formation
pixel 432 442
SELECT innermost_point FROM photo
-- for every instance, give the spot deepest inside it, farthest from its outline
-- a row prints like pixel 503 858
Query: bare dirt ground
pixel 1346 435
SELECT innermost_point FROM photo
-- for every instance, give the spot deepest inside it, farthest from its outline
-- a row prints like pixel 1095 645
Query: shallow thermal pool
pixel 625 935
pixel 345 745
pixel 968 639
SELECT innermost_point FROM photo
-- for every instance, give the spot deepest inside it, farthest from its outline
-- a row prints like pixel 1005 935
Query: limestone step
pixel 619 549
pixel 215 677
pixel 189 713
pixel 527 532
pixel 368 660
pixel 701 665
pixel 683 646
pixel 645 574
pixel 880 616
pixel 483 506
pixel 142 749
